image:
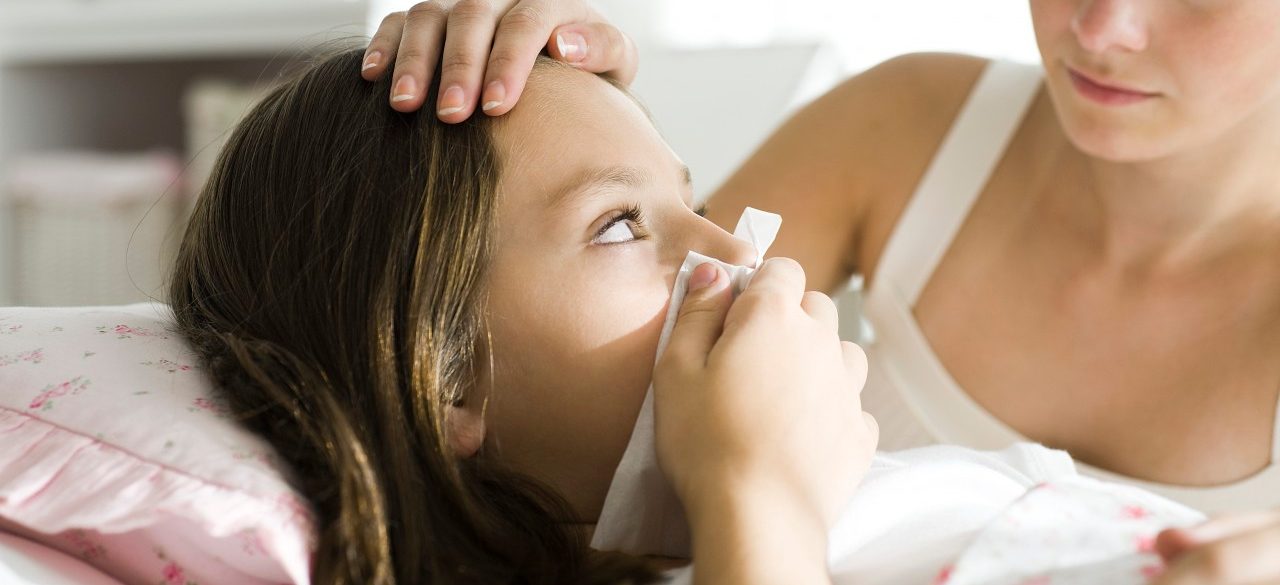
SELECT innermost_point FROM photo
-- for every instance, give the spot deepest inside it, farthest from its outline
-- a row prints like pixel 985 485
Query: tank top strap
pixel 960 170
pixel 1275 436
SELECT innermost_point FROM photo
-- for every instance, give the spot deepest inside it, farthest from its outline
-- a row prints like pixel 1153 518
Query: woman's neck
pixel 1184 209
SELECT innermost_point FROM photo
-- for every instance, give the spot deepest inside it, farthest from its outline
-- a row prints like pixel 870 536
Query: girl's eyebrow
pixel 605 179
pixel 597 180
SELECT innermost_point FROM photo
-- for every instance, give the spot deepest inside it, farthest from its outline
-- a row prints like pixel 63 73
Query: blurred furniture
pixel 715 106
pixel 116 76
pixel 92 226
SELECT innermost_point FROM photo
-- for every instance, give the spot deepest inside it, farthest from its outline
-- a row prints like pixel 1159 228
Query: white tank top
pixel 909 391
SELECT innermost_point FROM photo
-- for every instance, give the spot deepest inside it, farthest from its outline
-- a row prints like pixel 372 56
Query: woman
pixel 447 334
pixel 1084 252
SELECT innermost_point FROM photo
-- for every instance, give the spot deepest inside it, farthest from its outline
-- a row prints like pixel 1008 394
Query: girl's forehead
pixel 570 123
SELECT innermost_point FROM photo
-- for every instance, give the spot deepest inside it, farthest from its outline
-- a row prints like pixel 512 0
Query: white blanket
pixel 952 515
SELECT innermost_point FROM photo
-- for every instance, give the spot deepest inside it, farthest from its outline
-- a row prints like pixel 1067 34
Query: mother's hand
pixel 1238 549
pixel 486 49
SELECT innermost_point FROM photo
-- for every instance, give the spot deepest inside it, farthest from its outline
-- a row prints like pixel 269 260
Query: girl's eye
pixel 624 227
pixel 617 232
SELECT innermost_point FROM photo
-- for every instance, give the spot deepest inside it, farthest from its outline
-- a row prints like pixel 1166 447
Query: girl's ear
pixel 465 422
pixel 465 425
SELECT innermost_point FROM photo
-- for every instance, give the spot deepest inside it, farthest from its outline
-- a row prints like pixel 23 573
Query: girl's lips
pixel 1105 94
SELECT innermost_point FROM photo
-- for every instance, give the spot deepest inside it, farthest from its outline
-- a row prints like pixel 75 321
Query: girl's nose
pixel 1101 25
pixel 721 245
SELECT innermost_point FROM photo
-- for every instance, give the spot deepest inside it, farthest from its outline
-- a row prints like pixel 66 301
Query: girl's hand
pixel 1242 548
pixel 486 49
pixel 758 420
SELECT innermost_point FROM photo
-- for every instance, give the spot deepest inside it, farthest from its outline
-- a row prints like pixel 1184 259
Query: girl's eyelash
pixel 632 214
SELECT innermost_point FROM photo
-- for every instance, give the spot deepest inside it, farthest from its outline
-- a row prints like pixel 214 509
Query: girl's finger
pixel 822 309
pixel 778 275
pixel 855 361
pixel 700 319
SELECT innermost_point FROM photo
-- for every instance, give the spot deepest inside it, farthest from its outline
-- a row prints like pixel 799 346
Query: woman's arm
pixel 844 166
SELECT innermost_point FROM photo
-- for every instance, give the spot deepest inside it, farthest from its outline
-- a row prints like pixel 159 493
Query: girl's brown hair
pixel 332 279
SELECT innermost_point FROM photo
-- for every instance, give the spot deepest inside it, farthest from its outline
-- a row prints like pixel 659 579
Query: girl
pixel 448 330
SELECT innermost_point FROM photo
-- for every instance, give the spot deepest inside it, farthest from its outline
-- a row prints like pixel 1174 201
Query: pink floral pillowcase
pixel 115 449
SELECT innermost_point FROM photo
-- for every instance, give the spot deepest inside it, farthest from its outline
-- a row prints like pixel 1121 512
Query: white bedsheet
pixel 951 515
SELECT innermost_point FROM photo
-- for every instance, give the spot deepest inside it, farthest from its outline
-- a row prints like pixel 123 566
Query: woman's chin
pixel 1115 142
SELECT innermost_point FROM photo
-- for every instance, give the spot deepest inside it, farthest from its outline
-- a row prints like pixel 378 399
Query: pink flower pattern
pixel 128 332
pixel 251 544
pixel 1036 539
pixel 209 405
pixel 172 573
pixel 47 358
pixel 168 366
pixel 44 400
pixel 34 356
pixel 1145 543
pixel 1134 512
pixel 84 545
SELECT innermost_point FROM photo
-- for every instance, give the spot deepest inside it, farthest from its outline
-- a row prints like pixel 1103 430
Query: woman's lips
pixel 1106 95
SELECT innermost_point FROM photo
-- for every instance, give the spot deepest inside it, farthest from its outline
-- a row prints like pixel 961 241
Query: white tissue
pixel 641 513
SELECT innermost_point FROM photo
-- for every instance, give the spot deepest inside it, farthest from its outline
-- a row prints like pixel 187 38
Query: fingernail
pixel 703 276
pixel 451 101
pixel 404 89
pixel 573 47
pixel 371 61
pixel 494 94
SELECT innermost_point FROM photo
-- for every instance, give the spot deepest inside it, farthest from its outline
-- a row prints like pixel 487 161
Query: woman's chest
pixel 1173 382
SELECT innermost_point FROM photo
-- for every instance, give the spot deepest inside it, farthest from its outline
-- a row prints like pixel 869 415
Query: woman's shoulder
pixel 922 77
pixel 849 158
pixel 897 115
pixel 907 104
pixel 920 91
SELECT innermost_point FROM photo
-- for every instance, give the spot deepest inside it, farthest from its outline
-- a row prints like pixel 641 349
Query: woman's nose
pixel 1100 25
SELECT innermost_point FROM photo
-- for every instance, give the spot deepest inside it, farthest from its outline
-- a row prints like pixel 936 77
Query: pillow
pixel 115 449
pixel 23 562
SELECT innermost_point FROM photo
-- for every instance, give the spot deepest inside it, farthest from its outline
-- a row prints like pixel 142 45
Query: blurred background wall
pixel 112 110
